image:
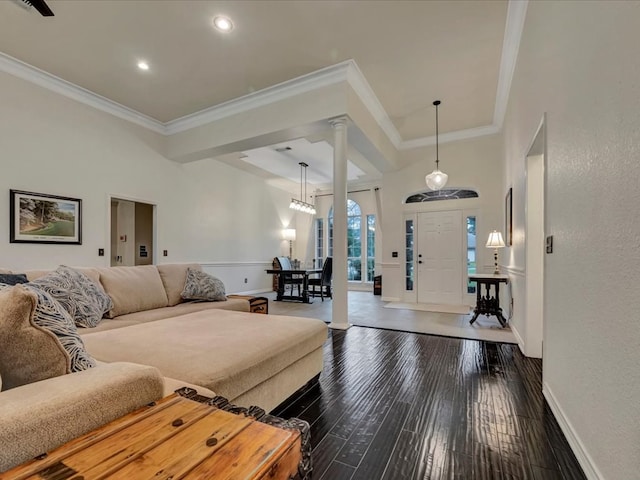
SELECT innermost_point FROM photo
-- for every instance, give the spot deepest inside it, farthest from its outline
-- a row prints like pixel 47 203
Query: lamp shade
pixel 495 240
pixel 436 179
pixel 289 234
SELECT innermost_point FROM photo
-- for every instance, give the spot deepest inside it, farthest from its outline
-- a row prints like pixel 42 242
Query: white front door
pixel 439 256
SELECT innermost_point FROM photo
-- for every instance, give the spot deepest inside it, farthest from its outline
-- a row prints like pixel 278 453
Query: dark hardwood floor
pixel 394 405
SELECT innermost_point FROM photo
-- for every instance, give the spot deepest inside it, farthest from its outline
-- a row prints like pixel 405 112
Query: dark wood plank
pixel 395 405
pixel 338 471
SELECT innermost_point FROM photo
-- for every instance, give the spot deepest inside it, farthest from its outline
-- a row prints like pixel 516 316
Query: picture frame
pixel 508 218
pixel 44 218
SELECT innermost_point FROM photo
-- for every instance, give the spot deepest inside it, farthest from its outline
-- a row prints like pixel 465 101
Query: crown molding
pixel 27 72
pixel 347 71
pixel 450 137
pixel 306 83
pixel 516 13
pixel 361 86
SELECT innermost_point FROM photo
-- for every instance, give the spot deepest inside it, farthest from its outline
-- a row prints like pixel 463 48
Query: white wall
pixel 471 164
pixel 207 211
pixel 578 62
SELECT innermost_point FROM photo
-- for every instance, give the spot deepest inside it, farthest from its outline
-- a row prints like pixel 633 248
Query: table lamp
pixel 495 241
pixel 289 234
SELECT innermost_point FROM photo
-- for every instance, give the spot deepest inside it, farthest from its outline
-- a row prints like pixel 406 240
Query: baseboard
pixel 252 292
pixel 390 299
pixel 516 334
pixel 584 459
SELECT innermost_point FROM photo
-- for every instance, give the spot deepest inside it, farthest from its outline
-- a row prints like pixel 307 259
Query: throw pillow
pixel 38 337
pixel 202 286
pixel 84 299
pixel 13 278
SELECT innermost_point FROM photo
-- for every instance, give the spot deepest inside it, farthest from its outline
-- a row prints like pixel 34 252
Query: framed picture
pixel 508 218
pixel 42 218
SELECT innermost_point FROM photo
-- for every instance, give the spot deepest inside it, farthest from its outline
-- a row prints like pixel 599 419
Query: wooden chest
pixel 256 304
pixel 175 438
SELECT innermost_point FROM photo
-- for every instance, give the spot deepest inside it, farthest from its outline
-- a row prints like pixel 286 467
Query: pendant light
pixel 436 179
pixel 302 205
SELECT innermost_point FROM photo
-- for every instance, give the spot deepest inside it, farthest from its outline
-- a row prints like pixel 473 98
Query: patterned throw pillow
pixel 38 341
pixel 13 278
pixel 202 286
pixel 85 300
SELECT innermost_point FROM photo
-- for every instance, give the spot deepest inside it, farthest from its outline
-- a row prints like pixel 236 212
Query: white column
pixel 340 313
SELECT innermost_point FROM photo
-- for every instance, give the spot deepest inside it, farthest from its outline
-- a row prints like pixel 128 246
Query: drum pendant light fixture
pixel 436 179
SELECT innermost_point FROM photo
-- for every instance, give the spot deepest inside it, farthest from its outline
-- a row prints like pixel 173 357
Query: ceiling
pixel 410 52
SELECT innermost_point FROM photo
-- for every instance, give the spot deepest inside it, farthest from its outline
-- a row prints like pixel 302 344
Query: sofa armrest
pixel 40 416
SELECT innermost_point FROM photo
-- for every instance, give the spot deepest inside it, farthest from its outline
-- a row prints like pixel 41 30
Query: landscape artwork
pixel 42 218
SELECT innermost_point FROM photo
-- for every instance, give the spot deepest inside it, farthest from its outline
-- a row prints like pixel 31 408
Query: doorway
pixel 439 257
pixel 132 233
pixel 535 244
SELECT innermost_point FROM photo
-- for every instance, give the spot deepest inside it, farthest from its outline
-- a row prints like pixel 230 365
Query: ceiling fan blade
pixel 41 7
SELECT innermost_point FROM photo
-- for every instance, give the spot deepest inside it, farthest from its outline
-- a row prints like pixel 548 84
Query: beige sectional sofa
pixel 154 343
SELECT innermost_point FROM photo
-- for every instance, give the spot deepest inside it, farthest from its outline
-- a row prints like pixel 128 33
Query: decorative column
pixel 340 313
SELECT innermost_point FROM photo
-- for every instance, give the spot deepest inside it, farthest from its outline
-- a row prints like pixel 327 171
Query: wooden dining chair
pixel 322 285
pixel 290 280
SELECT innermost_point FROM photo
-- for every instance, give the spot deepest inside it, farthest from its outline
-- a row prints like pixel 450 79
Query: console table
pixel 488 304
pixel 179 437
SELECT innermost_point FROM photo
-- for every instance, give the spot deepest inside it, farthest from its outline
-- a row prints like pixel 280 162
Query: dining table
pixel 284 275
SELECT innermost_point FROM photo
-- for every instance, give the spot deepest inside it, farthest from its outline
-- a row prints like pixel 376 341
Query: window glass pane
pixel 408 229
pixel 371 247
pixel 319 243
pixel 354 246
pixel 471 252
pixel 330 254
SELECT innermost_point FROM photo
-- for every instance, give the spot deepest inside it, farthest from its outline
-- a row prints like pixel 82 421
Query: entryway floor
pixel 368 310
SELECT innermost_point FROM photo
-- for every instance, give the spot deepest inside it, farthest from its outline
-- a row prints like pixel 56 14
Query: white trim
pixel 251 292
pixel 584 459
pixel 315 80
pixel 235 264
pixel 519 339
pixel 390 265
pixel 450 137
pixel 390 299
pixel 516 13
pixel 360 85
pixel 520 272
pixel 27 72
pixel 339 326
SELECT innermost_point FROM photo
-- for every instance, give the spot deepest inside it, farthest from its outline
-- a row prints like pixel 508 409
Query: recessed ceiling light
pixel 142 65
pixel 223 23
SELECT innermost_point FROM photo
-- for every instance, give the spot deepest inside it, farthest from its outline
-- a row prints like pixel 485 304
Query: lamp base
pixel 496 270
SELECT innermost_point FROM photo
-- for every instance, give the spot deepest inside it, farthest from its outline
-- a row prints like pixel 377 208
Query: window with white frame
pixel 360 245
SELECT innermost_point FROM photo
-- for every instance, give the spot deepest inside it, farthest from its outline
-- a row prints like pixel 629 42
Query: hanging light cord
pixel 436 103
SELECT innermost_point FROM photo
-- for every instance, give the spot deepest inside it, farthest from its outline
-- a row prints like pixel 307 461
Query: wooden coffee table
pixel 171 439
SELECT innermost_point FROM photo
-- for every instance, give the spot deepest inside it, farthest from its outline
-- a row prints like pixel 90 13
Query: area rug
pixel 430 307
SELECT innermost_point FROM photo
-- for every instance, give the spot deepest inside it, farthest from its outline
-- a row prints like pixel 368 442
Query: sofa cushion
pixel 38 337
pixel 202 286
pixel 173 278
pixel 90 272
pixel 39 417
pixel 225 351
pixel 133 289
pixel 85 300
pixel 237 304
pixel 13 278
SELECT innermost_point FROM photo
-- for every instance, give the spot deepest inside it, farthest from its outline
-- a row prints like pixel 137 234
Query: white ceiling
pixel 410 52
